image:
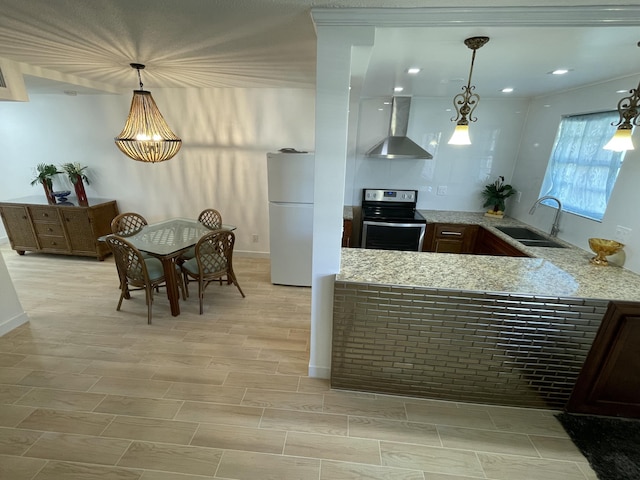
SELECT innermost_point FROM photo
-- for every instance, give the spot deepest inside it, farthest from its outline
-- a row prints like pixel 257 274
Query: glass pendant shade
pixel 460 136
pixel 621 140
pixel 146 137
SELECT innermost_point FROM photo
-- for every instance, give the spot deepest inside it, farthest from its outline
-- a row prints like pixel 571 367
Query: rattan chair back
pixel 133 271
pixel 127 224
pixel 210 218
pixel 214 257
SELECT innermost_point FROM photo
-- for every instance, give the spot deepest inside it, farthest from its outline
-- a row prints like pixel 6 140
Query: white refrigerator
pixel 290 183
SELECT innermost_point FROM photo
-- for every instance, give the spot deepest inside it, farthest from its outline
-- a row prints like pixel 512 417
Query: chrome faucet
pixel 554 227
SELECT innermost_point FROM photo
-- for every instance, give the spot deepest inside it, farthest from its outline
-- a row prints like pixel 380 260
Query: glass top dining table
pixel 171 237
pixel 167 240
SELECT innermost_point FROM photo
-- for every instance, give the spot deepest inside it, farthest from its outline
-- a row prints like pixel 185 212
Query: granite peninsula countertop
pixel 553 272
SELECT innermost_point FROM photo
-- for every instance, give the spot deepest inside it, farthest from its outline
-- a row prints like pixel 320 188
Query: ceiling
pixel 272 43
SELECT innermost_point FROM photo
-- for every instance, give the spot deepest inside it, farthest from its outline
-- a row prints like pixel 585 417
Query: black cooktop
pixel 392 214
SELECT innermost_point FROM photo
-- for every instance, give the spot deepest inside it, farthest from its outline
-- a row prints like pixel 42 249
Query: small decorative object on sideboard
pixel 76 175
pixel 45 174
pixel 62 197
pixel 495 194
pixel 603 248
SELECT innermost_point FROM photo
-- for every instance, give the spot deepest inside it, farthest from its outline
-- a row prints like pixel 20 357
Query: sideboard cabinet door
pixel 19 229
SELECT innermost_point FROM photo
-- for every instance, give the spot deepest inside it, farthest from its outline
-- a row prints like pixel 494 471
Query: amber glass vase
pixel 80 193
pixel 48 191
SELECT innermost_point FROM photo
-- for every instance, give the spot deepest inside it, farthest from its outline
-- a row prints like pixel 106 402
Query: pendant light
pixel 628 109
pixel 146 137
pixel 466 102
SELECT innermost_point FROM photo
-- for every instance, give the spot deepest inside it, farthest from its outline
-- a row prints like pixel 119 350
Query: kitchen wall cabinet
pixel 450 238
pixel 486 243
pixel 609 382
pixel 59 229
pixel 347 232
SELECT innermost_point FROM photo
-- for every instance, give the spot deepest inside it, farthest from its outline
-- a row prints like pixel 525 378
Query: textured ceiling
pixel 272 43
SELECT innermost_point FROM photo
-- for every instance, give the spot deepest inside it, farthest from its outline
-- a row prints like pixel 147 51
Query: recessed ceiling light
pixel 386 103
pixel 507 90
pixel 560 71
pixel 398 89
pixel 413 70
pixel 622 91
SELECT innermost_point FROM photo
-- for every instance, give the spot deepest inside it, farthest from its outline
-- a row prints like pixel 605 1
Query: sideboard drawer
pixel 53 242
pixel 49 229
pixel 44 214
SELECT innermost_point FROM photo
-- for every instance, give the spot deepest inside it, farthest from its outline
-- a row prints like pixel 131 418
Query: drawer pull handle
pixel 50 229
pixel 455 234
pixel 45 214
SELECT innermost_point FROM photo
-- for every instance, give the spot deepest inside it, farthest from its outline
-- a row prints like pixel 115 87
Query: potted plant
pixel 45 177
pixel 495 194
pixel 77 177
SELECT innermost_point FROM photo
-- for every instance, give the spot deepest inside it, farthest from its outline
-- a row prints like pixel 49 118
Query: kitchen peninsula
pixel 477 328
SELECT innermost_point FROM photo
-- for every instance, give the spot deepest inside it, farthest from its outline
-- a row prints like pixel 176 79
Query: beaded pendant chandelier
pixel 146 137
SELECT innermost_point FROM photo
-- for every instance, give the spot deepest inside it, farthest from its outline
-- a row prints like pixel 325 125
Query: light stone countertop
pixel 564 272
pixel 347 212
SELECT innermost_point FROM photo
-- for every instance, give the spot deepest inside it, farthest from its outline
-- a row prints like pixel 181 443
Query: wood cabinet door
pixel 609 382
pixel 17 223
pixel 453 238
pixel 487 243
pixel 79 231
pixel 347 231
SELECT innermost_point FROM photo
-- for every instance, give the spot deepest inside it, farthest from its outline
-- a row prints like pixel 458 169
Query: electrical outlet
pixel 442 190
pixel 623 234
pixel 256 238
pixel 518 197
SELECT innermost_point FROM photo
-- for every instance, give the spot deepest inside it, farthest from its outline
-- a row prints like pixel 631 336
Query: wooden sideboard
pixel 32 225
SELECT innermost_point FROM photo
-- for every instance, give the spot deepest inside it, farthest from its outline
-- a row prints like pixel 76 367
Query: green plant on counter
pixel 496 193
pixel 45 174
pixel 75 171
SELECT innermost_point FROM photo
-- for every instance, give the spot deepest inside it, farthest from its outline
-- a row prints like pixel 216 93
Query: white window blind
pixel 580 172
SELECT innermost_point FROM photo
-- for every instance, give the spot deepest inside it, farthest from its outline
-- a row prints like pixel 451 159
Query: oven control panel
pixel 376 195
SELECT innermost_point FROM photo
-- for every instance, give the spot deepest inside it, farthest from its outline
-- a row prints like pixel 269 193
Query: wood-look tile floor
pixel 87 392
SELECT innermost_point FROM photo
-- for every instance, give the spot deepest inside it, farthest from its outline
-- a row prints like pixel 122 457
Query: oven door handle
pixel 393 224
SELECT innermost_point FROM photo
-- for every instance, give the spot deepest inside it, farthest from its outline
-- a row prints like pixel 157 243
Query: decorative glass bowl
pixel 603 248
pixel 62 196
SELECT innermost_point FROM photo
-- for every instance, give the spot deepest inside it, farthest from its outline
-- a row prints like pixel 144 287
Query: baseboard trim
pixel 319 372
pixel 15 322
pixel 245 253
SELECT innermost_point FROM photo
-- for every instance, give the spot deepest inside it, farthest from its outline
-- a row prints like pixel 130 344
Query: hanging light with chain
pixel 146 137
pixel 629 111
pixel 467 101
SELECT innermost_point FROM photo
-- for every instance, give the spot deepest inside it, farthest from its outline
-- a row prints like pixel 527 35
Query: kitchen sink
pixel 529 238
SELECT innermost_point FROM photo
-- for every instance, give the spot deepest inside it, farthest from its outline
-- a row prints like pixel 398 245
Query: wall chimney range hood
pixel 397 144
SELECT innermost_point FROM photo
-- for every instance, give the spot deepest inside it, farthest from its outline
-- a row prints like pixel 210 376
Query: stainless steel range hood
pixel 397 144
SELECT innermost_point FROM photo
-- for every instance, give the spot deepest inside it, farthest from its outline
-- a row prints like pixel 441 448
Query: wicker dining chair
pixel 138 273
pixel 212 261
pixel 127 224
pixel 210 218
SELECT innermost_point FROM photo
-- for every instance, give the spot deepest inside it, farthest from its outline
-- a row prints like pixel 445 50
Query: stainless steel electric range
pixel 390 220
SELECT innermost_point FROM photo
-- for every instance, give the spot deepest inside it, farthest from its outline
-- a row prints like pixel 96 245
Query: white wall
pixel 539 134
pixel 226 134
pixel 463 170
pixel 11 313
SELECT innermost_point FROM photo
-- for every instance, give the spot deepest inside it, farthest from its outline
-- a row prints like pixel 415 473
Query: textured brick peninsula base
pixel 480 347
